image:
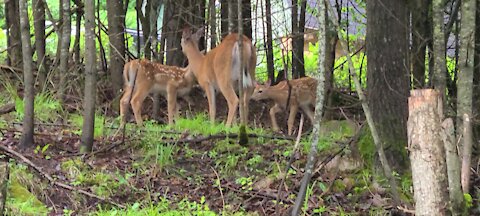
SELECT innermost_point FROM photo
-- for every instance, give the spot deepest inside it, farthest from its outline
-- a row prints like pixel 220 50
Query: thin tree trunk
pixel 440 64
pixel 64 50
pixel 39 25
pixel 117 42
pixel 368 114
pixel 453 167
pixel 427 153
pixel 4 178
pixel 466 58
pixel 224 17
pixel 28 79
pixel 213 23
pixel 78 26
pixel 294 38
pixel 467 153
pixel 13 29
pixel 246 18
pixel 419 10
pixel 90 78
pixel 145 21
pixel 320 76
pixel 269 42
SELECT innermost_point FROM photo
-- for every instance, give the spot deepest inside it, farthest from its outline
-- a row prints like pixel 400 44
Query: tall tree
pixel 173 33
pixel 90 78
pixel 388 74
pixel 39 25
pixel 64 49
pixel 13 30
pixel 420 25
pixel 440 70
pixel 298 29
pixel 28 79
pixel 213 23
pixel 465 75
pixel 247 18
pixel 269 42
pixel 224 18
pixel 78 28
pixel 116 27
pixel 144 18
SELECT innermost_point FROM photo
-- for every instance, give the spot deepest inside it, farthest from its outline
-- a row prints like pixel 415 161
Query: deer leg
pixel 136 102
pixel 308 112
pixel 274 110
pixel 291 118
pixel 124 103
pixel 210 92
pixel 232 101
pixel 171 103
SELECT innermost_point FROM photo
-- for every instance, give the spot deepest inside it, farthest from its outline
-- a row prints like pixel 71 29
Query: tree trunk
pixel 78 26
pixel 419 10
pixel 476 74
pixel 388 74
pixel 39 26
pixel 466 153
pixel 145 20
pixel 28 79
pixel 247 18
pixel 465 75
pixel 224 18
pixel 4 177
pixel 117 42
pixel 294 39
pixel 298 61
pixel 330 47
pixel 13 30
pixel 213 23
pixel 173 33
pixel 154 13
pixel 440 64
pixel 312 155
pixel 453 167
pixel 232 16
pixel 427 153
pixel 64 50
pixel 90 78
pixel 269 42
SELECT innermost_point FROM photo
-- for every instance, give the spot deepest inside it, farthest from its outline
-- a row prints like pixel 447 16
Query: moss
pixel 23 202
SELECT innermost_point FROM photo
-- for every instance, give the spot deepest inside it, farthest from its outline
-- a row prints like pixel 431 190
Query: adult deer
pixel 302 94
pixel 143 76
pixel 221 69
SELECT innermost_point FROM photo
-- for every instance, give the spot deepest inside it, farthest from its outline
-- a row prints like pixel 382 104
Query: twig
pixel 290 161
pixel 219 187
pixel 12 153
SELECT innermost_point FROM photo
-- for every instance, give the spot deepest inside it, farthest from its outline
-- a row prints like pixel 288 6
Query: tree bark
pixel 13 33
pixel 173 33
pixel 64 49
pixel 90 78
pixel 465 75
pixel 28 79
pixel 298 60
pixel 247 18
pixel 419 10
pixel 4 178
pixel 145 20
pixel 439 54
pixel 78 26
pixel 213 23
pixel 39 26
pixel 453 167
pixel 115 15
pixel 388 74
pixel 312 155
pixel 427 153
pixel 224 18
pixel 269 42
pixel 467 153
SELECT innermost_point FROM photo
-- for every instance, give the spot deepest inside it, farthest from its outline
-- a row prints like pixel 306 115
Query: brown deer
pixel 143 76
pixel 220 69
pixel 302 94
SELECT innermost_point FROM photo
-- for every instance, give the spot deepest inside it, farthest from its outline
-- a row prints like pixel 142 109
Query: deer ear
pixel 269 82
pixel 186 33
pixel 200 32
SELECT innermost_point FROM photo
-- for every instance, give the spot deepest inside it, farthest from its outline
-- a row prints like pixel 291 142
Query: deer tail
pixel 236 65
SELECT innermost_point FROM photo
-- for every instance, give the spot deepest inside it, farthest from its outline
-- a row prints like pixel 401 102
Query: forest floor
pixel 192 168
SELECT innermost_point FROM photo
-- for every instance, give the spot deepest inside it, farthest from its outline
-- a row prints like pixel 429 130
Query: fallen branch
pixel 7 108
pixel 14 154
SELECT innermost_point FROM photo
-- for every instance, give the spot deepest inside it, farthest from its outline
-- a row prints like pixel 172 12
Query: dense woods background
pixel 62 63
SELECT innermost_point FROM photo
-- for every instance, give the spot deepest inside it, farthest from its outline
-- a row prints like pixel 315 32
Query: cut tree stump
pixel 427 153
